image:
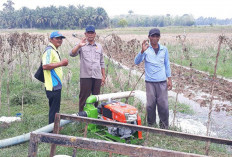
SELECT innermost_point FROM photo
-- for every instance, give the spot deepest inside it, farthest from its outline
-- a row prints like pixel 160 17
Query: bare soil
pixel 195 85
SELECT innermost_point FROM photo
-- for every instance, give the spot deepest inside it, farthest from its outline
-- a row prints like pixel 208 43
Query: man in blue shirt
pixel 157 77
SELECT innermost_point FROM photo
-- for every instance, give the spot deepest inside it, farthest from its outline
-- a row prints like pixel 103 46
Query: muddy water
pixel 196 123
pixel 221 121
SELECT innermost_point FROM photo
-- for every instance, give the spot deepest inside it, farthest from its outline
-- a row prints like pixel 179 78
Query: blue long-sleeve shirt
pixel 157 66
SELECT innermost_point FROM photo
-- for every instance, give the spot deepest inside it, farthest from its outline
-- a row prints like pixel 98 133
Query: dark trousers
pixel 88 86
pixel 157 95
pixel 54 98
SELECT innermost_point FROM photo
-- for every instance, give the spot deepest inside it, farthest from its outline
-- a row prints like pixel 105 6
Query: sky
pixel 220 9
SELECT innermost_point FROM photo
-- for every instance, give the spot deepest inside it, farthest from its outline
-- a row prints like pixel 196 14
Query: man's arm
pixel 167 64
pixel 103 76
pixel 139 58
pixel 168 70
pixel 77 47
pixel 74 50
pixel 169 83
pixel 51 66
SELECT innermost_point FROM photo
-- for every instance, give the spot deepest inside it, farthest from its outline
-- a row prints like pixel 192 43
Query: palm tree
pixel 81 15
pixel 8 14
pixel 8 6
pixel 102 18
pixel 130 12
pixel 26 18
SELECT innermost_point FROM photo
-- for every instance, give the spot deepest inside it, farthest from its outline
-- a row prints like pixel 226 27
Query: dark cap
pixel 56 34
pixel 154 31
pixel 90 29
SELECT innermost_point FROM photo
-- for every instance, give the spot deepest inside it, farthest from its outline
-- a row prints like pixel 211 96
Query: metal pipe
pixel 91 99
pixel 26 137
pixel 118 95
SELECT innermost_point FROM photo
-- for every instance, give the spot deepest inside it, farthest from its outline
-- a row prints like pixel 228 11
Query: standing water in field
pixel 221 125
pixel 196 123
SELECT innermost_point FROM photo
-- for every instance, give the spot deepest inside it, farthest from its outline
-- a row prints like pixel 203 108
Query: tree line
pixel 213 21
pixel 133 20
pixel 74 17
pixel 70 17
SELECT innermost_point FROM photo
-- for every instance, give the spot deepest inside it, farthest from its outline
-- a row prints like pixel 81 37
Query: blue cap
pixel 90 29
pixel 56 34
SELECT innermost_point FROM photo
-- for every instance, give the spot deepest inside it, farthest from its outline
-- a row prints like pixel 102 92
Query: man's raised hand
pixel 83 42
pixel 145 45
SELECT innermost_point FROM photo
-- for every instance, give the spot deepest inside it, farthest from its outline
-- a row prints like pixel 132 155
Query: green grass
pixel 189 146
pixel 139 30
pixel 171 29
pixel 205 60
pixel 182 108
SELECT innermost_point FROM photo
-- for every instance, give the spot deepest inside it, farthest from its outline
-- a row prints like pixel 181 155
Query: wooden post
pixel 55 131
pixel 86 129
pixel 33 146
pixel 147 139
pixel 74 152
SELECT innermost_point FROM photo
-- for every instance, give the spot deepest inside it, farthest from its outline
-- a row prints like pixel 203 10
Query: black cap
pixel 154 31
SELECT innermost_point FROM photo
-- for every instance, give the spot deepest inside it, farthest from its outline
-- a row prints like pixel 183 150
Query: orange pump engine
pixel 120 112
